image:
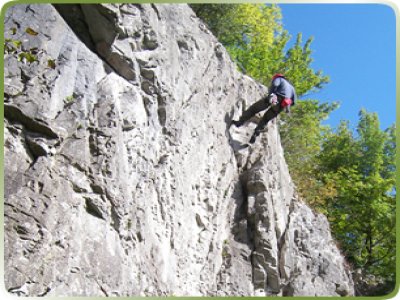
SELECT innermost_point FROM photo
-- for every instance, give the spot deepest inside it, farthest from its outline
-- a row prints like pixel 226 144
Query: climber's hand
pixel 273 99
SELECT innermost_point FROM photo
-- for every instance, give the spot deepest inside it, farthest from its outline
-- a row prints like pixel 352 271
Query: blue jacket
pixel 280 86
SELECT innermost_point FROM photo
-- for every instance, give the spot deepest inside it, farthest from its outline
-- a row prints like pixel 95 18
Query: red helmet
pixel 277 75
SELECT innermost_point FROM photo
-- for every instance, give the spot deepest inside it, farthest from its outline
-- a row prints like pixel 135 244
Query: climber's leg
pixel 269 115
pixel 260 105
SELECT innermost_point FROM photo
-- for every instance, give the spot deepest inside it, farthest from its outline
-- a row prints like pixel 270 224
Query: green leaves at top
pixel 254 36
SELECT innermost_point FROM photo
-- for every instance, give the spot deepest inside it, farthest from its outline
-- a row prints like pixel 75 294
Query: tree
pixel 360 167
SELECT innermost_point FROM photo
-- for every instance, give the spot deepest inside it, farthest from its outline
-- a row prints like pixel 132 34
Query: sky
pixel 354 44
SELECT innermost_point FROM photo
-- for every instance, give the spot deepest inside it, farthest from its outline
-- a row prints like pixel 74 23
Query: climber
pixel 281 96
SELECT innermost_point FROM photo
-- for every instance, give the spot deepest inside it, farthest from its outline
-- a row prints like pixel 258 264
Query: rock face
pixel 123 177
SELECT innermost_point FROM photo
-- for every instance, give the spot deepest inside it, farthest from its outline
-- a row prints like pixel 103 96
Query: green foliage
pixel 27 56
pixel 255 38
pixel 252 34
pixel 218 18
pixel 12 46
pixel 70 99
pixel 260 40
pixel 296 65
pixel 350 176
pixel 360 167
pixel 302 133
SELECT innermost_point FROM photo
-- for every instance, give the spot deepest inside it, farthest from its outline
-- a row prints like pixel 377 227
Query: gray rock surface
pixel 123 177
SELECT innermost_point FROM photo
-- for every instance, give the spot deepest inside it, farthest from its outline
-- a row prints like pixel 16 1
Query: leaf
pixel 17 43
pixel 27 57
pixel 31 58
pixel 51 63
pixel 13 30
pixel 12 45
pixel 31 31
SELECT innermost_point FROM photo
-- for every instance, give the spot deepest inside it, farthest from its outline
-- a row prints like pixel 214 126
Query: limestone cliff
pixel 122 176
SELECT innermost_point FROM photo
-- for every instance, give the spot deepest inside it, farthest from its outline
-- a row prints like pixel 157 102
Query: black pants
pixel 259 106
